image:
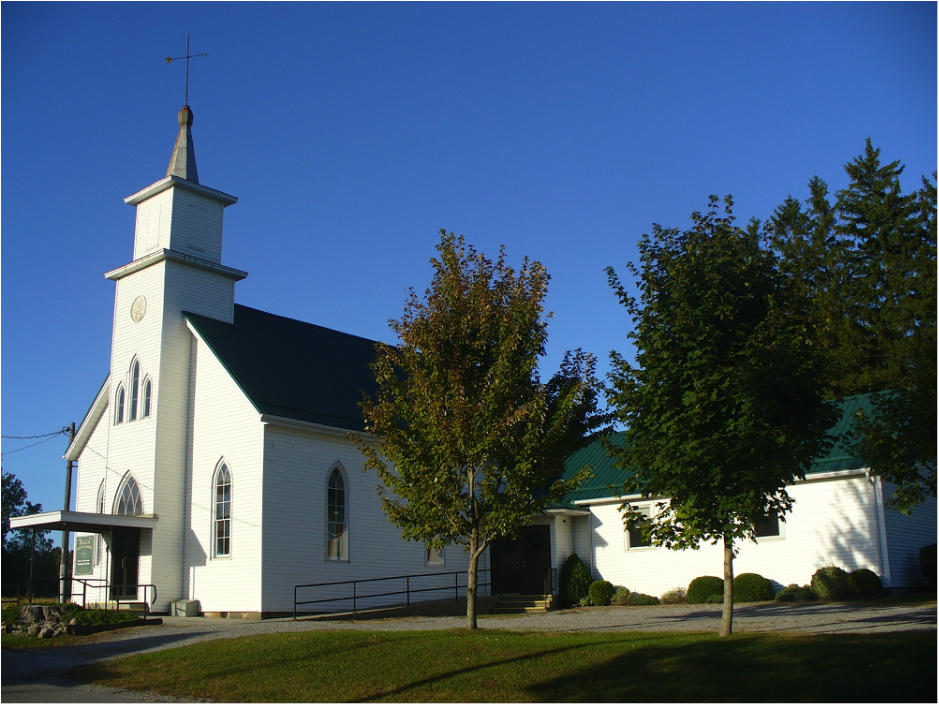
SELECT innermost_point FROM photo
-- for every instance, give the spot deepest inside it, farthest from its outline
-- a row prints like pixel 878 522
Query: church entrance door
pixel 521 566
pixel 125 554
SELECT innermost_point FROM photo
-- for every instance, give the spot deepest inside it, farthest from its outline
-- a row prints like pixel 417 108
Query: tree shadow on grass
pixel 889 667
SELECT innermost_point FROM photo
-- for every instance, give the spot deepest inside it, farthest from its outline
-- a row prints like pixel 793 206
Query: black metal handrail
pixel 102 583
pixel 407 591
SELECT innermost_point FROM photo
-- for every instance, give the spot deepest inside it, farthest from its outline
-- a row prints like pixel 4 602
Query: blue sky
pixel 352 133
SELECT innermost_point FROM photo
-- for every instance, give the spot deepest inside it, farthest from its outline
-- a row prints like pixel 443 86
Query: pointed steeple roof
pixel 183 160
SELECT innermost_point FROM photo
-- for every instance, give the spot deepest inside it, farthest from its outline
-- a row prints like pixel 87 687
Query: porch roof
pixel 81 521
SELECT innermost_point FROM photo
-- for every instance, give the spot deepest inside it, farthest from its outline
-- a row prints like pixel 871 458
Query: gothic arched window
pixel 134 388
pixel 129 502
pixel 147 397
pixel 337 528
pixel 119 405
pixel 222 511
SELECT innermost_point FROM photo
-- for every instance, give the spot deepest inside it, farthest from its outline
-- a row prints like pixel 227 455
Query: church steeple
pixel 183 159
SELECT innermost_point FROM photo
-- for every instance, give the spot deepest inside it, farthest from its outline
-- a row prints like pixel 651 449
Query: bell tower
pixel 176 268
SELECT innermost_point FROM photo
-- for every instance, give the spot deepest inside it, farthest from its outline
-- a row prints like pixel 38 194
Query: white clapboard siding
pixel 225 428
pixel 834 521
pixel 181 220
pixel 297 465
pixel 906 535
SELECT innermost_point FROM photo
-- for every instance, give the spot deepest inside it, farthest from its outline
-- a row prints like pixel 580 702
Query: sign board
pixel 84 554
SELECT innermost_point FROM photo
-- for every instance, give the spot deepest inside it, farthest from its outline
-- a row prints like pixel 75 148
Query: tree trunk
pixel 727 615
pixel 471 582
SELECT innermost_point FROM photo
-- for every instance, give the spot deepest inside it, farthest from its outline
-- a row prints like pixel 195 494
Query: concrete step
pixel 522 603
pixel 132 606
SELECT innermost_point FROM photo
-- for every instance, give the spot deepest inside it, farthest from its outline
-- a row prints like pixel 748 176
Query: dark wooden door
pixel 125 555
pixel 521 566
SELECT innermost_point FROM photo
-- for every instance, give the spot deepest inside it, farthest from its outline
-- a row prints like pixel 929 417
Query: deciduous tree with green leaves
pixel 866 266
pixel 723 406
pixel 467 440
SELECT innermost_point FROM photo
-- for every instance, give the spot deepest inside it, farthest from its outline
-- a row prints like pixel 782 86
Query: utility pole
pixel 65 583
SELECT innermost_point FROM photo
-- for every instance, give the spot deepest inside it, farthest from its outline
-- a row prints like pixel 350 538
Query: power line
pixel 26 447
pixel 63 431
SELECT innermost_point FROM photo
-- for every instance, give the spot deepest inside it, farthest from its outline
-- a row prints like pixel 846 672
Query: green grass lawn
pixel 461 666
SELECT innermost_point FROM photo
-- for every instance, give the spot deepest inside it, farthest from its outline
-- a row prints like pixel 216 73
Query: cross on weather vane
pixel 170 59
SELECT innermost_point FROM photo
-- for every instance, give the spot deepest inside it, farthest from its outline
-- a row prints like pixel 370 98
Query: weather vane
pixel 170 59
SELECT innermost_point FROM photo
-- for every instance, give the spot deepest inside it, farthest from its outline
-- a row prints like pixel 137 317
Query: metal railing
pixel 356 597
pixel 98 584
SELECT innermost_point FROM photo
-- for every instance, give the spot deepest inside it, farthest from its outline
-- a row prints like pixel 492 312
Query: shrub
pixel 620 597
pixel 574 580
pixel 585 601
pixel 675 596
pixel 863 583
pixel 701 588
pixel 829 583
pixel 796 593
pixel 637 599
pixel 750 586
pixel 601 592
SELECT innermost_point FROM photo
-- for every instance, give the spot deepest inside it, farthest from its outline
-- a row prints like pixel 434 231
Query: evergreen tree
pixel 870 267
pixel 723 407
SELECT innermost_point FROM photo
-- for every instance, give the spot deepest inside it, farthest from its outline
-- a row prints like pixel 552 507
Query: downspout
pixel 881 522
pixel 593 552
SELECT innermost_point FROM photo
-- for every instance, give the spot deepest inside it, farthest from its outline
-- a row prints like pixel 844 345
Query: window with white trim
pixel 134 388
pixel 147 397
pixel 433 556
pixel 129 502
pixel 222 512
pixel 634 533
pixel 767 526
pixel 119 405
pixel 337 530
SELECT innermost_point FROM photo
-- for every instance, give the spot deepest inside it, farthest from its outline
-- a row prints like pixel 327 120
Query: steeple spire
pixel 183 160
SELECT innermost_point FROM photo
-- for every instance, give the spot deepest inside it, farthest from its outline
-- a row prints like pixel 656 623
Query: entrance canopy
pixel 78 521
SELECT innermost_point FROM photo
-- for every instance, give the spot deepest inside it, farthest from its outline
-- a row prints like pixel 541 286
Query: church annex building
pixel 214 464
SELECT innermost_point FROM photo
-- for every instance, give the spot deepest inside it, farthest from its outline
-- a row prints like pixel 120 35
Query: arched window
pixel 337 529
pixel 134 388
pixel 99 507
pixel 222 520
pixel 119 405
pixel 147 396
pixel 129 502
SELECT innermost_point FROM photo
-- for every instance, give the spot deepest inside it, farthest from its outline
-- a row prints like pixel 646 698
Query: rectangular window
pixel 432 556
pixel 767 527
pixel 634 536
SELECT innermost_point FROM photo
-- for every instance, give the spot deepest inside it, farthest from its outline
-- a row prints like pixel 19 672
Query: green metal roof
pixel 607 479
pixel 293 369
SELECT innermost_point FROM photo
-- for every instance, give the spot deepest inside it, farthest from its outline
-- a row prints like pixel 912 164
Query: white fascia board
pixel 310 427
pixel 821 476
pixel 90 421
pixel 174 256
pixel 175 181
pixel 565 512
pixel 81 521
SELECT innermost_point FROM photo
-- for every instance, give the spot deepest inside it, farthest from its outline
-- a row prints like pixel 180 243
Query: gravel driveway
pixel 32 675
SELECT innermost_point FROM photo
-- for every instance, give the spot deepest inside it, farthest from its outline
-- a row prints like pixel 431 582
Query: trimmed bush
pixel 574 580
pixel 620 597
pixel 830 583
pixel 701 588
pixel 601 592
pixel 796 593
pixel 674 596
pixel 637 599
pixel 750 586
pixel 863 584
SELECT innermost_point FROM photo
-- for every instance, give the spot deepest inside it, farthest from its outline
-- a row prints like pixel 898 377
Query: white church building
pixel 215 465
